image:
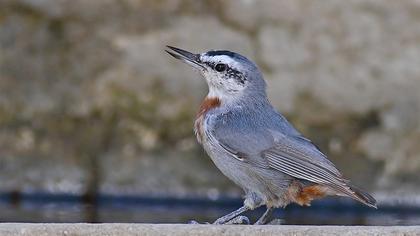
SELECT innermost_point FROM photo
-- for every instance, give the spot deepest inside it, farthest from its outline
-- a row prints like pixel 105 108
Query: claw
pixel 239 220
pixel 277 222
pixel 194 222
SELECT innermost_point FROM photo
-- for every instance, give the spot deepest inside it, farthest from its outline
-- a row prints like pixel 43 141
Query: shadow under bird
pixel 254 145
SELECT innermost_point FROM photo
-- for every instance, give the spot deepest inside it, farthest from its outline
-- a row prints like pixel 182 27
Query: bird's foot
pixel 239 220
pixel 194 222
pixel 277 222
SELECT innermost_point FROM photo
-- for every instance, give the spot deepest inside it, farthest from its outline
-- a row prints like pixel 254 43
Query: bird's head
pixel 230 76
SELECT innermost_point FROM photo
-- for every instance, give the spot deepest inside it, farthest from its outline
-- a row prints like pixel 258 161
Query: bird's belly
pixel 232 168
pixel 268 184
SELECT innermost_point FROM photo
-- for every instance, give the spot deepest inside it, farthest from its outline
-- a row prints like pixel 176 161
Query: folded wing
pixel 300 160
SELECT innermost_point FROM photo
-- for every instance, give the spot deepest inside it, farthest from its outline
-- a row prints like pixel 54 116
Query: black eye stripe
pixel 234 74
pixel 229 72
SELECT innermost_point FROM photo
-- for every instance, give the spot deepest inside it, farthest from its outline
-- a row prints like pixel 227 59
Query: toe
pixel 193 222
pixel 239 220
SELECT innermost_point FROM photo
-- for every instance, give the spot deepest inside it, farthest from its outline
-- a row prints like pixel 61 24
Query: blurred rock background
pixel 90 102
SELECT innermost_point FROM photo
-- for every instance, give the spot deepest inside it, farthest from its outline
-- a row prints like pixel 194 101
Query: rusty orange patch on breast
pixel 206 105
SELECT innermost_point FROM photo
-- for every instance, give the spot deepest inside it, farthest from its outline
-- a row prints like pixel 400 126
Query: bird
pixel 253 144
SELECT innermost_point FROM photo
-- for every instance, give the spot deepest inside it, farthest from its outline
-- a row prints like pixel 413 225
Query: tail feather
pixel 360 195
pixel 364 197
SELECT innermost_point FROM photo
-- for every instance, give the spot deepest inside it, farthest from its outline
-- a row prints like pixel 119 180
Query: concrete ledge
pixel 184 230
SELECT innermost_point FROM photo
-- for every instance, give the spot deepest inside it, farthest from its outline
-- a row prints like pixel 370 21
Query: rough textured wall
pixel 90 102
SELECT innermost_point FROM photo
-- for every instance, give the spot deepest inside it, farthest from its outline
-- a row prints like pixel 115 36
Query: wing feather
pixel 298 161
pixel 306 165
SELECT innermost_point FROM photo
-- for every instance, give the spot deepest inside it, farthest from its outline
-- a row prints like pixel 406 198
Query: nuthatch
pixel 253 144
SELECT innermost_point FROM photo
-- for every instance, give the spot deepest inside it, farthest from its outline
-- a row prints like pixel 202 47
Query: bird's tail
pixel 360 195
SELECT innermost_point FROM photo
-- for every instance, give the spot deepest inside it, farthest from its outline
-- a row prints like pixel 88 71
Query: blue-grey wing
pixel 226 131
pixel 270 146
pixel 233 140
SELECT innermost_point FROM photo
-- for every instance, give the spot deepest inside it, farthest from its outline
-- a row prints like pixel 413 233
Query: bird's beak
pixel 185 56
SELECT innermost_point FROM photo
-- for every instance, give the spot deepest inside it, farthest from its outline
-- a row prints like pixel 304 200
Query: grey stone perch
pixel 185 230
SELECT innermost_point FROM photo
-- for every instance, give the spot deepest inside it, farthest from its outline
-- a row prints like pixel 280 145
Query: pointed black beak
pixel 185 56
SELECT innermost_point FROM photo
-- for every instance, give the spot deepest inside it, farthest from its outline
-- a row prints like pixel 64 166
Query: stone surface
pixel 177 229
pixel 90 101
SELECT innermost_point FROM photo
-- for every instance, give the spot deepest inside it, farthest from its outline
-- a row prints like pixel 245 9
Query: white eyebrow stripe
pixel 220 59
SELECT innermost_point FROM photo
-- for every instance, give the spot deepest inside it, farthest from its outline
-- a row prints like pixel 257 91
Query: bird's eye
pixel 220 67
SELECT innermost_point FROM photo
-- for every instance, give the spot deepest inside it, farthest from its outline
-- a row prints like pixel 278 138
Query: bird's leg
pixel 230 216
pixel 264 218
